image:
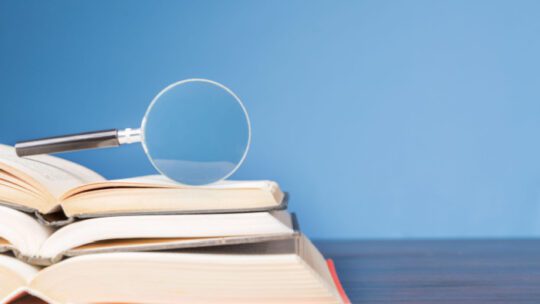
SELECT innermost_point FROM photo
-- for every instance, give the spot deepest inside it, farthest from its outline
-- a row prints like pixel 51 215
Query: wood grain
pixel 450 271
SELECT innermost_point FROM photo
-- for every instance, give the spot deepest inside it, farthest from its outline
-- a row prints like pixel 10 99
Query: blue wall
pixel 382 118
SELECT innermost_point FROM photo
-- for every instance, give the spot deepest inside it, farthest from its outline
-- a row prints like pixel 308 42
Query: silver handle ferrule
pixel 129 136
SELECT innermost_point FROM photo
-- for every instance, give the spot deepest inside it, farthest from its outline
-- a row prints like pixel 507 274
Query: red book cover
pixel 24 298
pixel 335 277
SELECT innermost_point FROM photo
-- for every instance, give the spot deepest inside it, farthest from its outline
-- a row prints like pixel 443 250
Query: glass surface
pixel 196 132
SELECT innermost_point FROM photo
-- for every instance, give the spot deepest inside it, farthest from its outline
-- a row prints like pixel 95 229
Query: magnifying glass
pixel 195 132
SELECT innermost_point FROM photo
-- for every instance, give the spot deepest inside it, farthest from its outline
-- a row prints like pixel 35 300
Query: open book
pixel 284 271
pixel 46 184
pixel 38 244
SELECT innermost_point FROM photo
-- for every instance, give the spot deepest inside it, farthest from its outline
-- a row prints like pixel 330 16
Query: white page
pixel 24 270
pixel 163 226
pixel 55 174
pixel 161 180
pixel 21 230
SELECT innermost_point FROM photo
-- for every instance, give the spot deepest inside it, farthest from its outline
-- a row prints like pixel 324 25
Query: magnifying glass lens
pixel 196 132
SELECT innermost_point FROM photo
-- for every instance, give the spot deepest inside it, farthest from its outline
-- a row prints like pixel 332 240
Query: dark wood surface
pixel 460 271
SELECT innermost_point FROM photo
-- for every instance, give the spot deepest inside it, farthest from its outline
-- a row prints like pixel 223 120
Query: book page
pixel 24 270
pixel 162 226
pixel 160 181
pixel 253 276
pixel 22 231
pixel 155 194
pixel 14 277
pixel 47 173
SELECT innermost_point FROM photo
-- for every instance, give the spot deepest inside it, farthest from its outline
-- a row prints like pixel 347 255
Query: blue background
pixel 382 118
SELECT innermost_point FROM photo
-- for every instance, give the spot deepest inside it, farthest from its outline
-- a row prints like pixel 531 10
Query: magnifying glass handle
pixel 73 142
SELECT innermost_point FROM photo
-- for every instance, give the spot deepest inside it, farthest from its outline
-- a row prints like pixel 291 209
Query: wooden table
pixel 449 271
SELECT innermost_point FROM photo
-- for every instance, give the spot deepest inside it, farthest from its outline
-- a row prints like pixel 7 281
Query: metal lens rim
pixel 181 82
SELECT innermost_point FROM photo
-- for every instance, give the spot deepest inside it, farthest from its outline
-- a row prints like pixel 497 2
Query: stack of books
pixel 69 236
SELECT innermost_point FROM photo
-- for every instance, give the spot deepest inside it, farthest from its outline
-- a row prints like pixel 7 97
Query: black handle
pixel 81 141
